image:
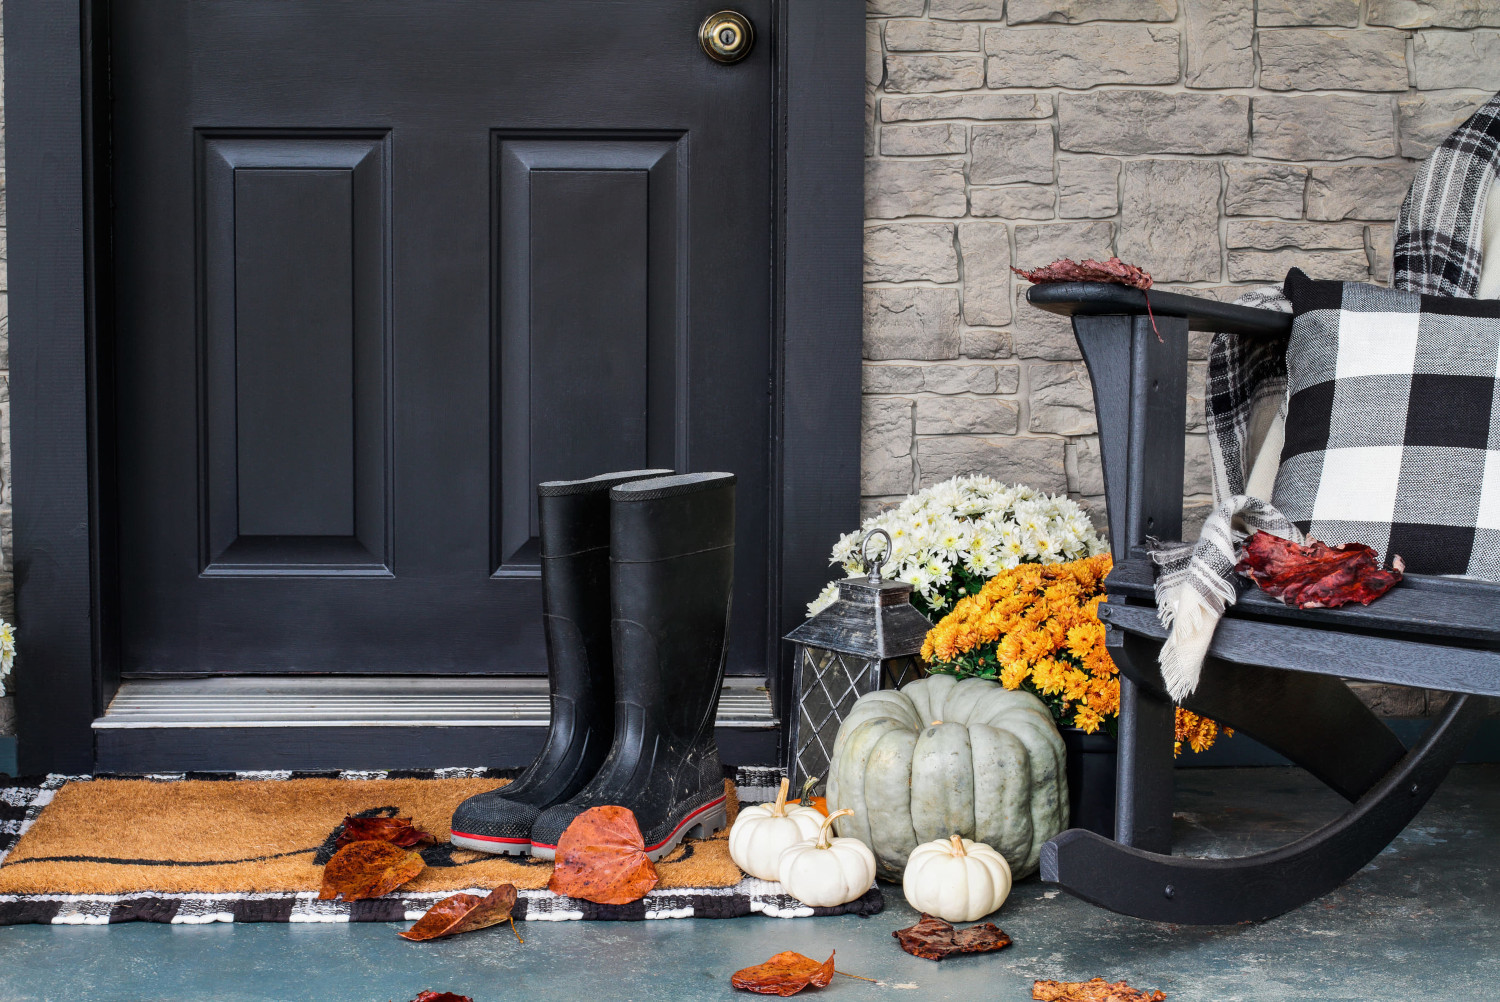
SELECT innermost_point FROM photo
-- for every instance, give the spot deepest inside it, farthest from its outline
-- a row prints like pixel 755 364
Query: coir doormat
pixel 249 847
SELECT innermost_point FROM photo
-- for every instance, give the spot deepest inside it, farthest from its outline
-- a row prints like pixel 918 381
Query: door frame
pixel 56 87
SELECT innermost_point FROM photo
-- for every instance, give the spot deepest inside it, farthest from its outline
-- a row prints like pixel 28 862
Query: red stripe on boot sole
pixel 652 848
pixel 490 838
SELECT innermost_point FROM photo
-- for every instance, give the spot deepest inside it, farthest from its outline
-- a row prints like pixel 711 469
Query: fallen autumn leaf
pixel 785 974
pixel 602 858
pixel 1094 990
pixel 933 939
pixel 396 831
pixel 367 870
pixel 1065 269
pixel 461 913
pixel 1317 576
pixel 441 997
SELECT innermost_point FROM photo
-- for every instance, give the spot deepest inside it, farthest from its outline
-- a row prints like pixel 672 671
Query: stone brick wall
pixel 1215 143
pixel 7 583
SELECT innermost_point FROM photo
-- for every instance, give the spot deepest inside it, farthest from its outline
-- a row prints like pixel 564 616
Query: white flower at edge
pixel 825 598
pixel 7 651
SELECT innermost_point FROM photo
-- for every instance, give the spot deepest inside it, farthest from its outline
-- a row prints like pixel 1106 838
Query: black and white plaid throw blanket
pixel 1438 250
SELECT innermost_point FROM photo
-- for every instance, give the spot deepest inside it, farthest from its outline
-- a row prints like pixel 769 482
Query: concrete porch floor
pixel 1421 922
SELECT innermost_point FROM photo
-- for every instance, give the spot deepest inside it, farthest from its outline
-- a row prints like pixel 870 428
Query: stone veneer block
pixel 885 465
pixel 930 71
pixel 920 107
pixel 1434 13
pixel 1370 59
pixel 1075 11
pixel 1220 43
pixel 967 416
pixel 894 8
pixel 1283 13
pixel 1024 201
pixel 910 252
pixel 1272 266
pixel 949 379
pixel 1088 187
pixel 1264 190
pixel 1062 399
pixel 931 36
pixel 1267 234
pixel 1042 243
pixel 967 10
pixel 1085 469
pixel 1381 243
pixel 874 55
pixel 895 188
pixel 979 342
pixel 985 248
pixel 1169 220
pixel 1197 394
pixel 1038 462
pixel 1373 191
pixel 1039 334
pixel 1323 127
pixel 886 378
pixel 927 139
pixel 1130 122
pixel 1197 466
pixel 1424 120
pixel 914 323
pixel 1082 57
pixel 1017 151
pixel 1443 59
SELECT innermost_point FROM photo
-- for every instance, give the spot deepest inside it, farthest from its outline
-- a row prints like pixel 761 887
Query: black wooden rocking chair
pixel 1273 672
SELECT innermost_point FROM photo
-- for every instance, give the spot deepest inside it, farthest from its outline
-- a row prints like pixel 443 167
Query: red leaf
pixel 441 997
pixel 367 870
pixel 460 913
pixel 784 974
pixel 1067 270
pixel 1317 576
pixel 1094 990
pixel 602 858
pixel 933 939
pixel 396 831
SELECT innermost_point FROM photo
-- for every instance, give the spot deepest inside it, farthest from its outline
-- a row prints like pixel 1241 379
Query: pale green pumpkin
pixel 944 757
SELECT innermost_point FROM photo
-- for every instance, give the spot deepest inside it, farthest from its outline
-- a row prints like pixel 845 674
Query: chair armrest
pixel 1103 298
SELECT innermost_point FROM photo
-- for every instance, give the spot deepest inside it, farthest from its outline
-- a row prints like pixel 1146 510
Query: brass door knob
pixel 726 36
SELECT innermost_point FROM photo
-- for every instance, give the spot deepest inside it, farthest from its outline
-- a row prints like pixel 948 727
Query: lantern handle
pixel 873 565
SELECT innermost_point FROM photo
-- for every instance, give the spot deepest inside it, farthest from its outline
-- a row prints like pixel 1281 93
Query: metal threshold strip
pixel 371 701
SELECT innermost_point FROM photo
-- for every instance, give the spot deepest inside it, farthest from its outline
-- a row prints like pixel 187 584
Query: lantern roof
pixel 870 619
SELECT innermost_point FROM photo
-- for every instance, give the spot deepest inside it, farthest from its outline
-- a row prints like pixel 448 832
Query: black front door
pixel 381 266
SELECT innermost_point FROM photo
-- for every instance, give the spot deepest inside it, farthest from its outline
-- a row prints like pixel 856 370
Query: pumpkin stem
pixel 806 799
pixel 778 810
pixel 827 823
pixel 958 845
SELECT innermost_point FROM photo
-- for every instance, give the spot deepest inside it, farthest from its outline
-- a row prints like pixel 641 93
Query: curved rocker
pixel 1221 891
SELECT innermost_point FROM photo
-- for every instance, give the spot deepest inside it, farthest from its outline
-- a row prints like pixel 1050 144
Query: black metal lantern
pixel 869 638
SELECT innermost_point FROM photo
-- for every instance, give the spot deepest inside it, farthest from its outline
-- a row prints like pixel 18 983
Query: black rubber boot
pixel 574 516
pixel 671 579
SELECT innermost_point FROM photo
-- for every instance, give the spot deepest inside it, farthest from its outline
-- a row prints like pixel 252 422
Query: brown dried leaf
pixel 1317 576
pixel 933 939
pixel 784 974
pixel 602 858
pixel 367 870
pixel 396 831
pixel 1065 269
pixel 441 997
pixel 461 913
pixel 1095 990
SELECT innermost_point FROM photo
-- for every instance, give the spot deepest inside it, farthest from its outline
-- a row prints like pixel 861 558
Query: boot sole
pixel 704 822
pixel 494 846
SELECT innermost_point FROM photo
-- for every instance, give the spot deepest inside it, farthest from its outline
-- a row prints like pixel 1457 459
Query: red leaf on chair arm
pixel 1317 576
pixel 1067 270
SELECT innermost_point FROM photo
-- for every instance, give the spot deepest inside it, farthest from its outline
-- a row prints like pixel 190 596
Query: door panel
pixel 383 266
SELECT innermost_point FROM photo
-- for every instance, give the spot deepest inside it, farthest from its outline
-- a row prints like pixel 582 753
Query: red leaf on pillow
pixel 1317 576
pixel 1067 270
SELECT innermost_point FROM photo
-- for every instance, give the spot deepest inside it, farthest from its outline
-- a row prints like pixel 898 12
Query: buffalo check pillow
pixel 1393 424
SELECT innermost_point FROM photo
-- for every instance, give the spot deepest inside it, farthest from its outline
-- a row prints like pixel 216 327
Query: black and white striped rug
pixel 23 800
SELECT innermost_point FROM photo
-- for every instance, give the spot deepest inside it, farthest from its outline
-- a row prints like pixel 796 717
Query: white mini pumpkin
pixel 762 832
pixel 956 879
pixel 823 872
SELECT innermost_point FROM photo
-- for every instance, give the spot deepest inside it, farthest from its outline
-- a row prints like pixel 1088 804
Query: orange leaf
pixel 784 974
pixel 602 858
pixel 1094 990
pixel 396 831
pixel 368 870
pixel 441 997
pixel 460 913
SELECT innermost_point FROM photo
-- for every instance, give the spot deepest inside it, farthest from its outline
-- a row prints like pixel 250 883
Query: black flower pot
pixel 1091 780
